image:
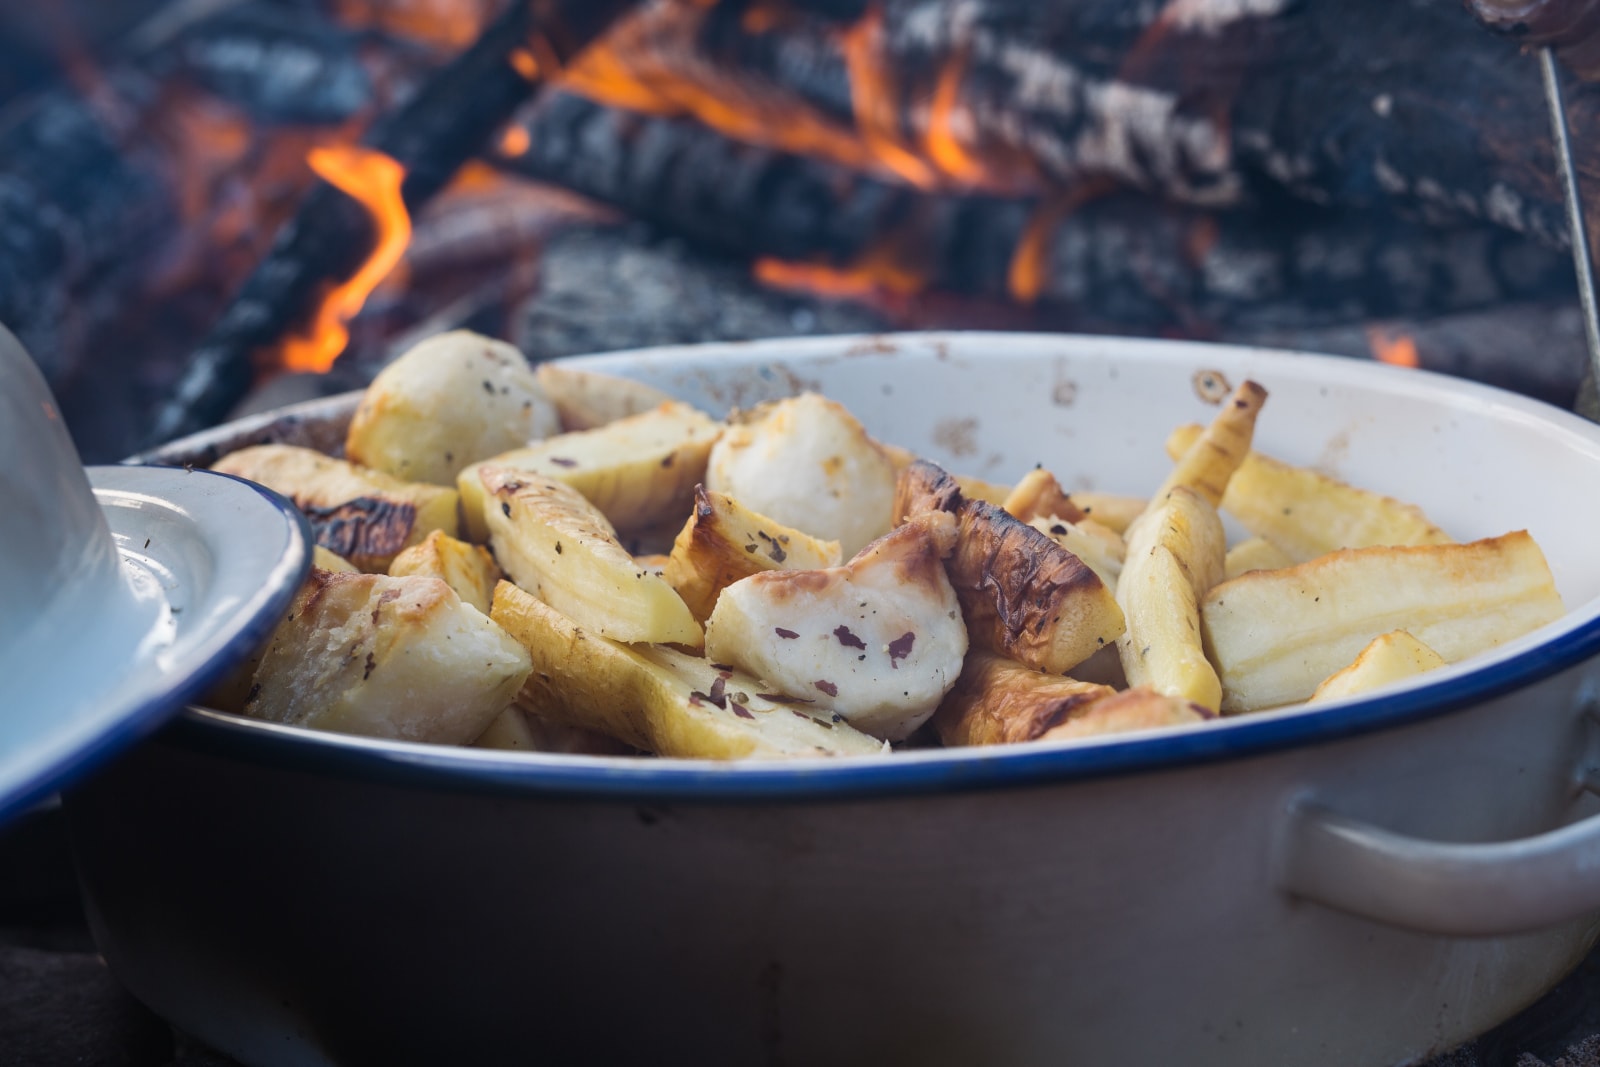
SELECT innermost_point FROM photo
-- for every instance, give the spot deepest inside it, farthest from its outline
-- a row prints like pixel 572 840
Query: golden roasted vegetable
pixel 1141 708
pixel 449 401
pixel 807 463
pixel 1021 594
pixel 387 657
pixel 878 640
pixel 1175 553
pixel 1391 657
pixel 1275 635
pixel 322 558
pixel 1308 514
pixel 587 400
pixel 1110 510
pixel 1256 554
pixel 366 516
pixel 638 470
pixel 468 569
pixel 659 700
pixel 1000 702
pixel 1098 546
pixel 971 488
pixel 723 541
pixel 519 729
pixel 1039 496
pixel 1207 465
pixel 558 546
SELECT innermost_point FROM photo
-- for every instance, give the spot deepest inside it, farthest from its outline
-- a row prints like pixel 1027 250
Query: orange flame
pixel 374 179
pixel 515 141
pixel 1030 260
pixel 445 24
pixel 872 97
pixel 945 149
pixel 1393 347
pixel 877 274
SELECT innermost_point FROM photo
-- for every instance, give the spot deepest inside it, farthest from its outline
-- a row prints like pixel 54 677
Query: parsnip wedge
pixel 723 541
pixel 878 640
pixel 1308 514
pixel 997 701
pixel 807 463
pixel 1390 658
pixel 1141 708
pixel 325 560
pixel 557 545
pixel 387 657
pixel 587 400
pixel 972 488
pixel 365 516
pixel 1255 554
pixel 659 700
pixel 1208 464
pixel 468 569
pixel 638 470
pixel 1022 595
pixel 1275 635
pixel 1039 496
pixel 1175 554
pixel 1109 509
pixel 1098 546
pixel 450 400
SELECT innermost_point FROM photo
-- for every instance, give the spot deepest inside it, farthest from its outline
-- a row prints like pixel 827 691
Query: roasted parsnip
pixel 662 701
pixel 1390 658
pixel 448 401
pixel 723 541
pixel 321 557
pixel 972 488
pixel 997 701
pixel 586 400
pixel 1098 546
pixel 1175 554
pixel 638 470
pixel 1275 635
pixel 388 657
pixel 521 729
pixel 1039 496
pixel 1141 708
pixel 878 640
pixel 557 545
pixel 1208 464
pixel 807 463
pixel 1308 514
pixel 1255 554
pixel 365 516
pixel 468 569
pixel 1110 510
pixel 1022 595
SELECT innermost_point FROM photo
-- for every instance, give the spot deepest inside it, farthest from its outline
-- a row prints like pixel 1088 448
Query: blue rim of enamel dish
pixel 917 771
pixel 203 663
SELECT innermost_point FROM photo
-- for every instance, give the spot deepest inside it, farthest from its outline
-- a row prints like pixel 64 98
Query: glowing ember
pixel 374 179
pixel 446 24
pixel 876 276
pixel 515 141
pixel 523 62
pixel 1393 347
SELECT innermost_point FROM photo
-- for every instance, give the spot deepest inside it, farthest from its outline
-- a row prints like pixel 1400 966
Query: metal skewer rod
pixel 1577 227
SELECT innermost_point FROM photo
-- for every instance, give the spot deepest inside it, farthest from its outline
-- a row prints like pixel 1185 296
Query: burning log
pixel 1205 102
pixel 1112 260
pixel 450 117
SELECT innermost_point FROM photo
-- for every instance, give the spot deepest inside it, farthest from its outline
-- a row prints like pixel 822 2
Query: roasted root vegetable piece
pixel 321 557
pixel 1208 464
pixel 1254 554
pixel 637 471
pixel 807 463
pixel 388 657
pixel 518 729
pixel 365 516
pixel 1022 595
pixel 723 541
pixel 999 702
pixel 1141 708
pixel 1175 554
pixel 450 400
pixel 1039 496
pixel 878 640
pixel 1391 657
pixel 662 701
pixel 468 569
pixel 1308 514
pixel 1275 635
pixel 1109 509
pixel 972 488
pixel 1098 546
pixel 557 545
pixel 586 400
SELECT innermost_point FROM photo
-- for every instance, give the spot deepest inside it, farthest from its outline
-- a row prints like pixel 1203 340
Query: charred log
pixel 1115 259
pixel 448 119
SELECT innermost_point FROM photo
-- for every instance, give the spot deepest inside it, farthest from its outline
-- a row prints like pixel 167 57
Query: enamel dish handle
pixel 1460 890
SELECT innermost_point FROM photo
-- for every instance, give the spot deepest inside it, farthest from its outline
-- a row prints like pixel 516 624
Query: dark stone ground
pixel 60 1007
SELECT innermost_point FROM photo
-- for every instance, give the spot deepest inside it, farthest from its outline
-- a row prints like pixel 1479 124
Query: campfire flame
pixel 1393 347
pixel 374 179
pixel 878 276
